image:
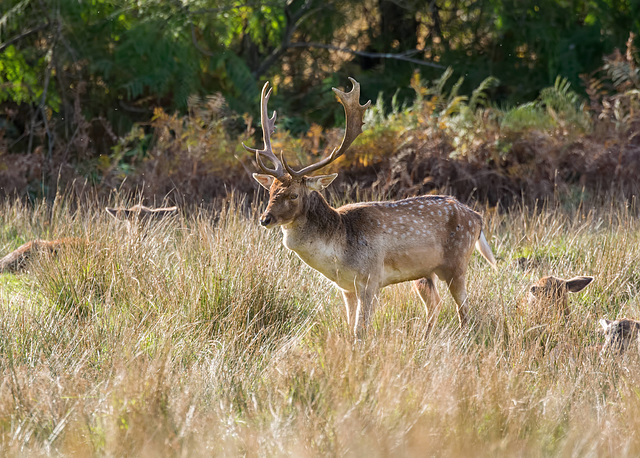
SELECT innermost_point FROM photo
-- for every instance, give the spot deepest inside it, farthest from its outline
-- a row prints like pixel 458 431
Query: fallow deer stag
pixel 366 246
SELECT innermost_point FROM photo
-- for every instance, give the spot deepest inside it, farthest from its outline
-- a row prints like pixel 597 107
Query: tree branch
pixel 293 22
pixel 194 40
pixel 17 38
pixel 400 56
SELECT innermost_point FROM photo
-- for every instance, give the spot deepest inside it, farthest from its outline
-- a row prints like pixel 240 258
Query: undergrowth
pixel 444 140
pixel 203 336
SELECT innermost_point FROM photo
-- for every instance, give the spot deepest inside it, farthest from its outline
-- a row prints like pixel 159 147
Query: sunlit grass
pixel 202 335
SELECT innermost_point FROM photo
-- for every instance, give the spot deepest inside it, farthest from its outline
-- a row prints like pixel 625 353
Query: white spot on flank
pixel 431 212
pixel 439 213
pixel 469 223
pixel 421 206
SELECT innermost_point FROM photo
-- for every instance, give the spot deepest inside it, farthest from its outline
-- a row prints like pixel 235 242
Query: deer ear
pixel 578 283
pixel 606 324
pixel 118 213
pixel 163 212
pixel 320 182
pixel 263 180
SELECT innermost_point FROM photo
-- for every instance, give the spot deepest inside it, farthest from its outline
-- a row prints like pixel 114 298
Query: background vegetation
pixel 162 93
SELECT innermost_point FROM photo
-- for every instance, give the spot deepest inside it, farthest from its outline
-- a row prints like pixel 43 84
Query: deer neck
pixel 316 226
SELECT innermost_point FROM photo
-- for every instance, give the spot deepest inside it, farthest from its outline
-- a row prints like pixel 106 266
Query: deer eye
pixel 293 196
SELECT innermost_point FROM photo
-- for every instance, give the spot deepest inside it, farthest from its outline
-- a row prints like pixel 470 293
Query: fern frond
pixel 455 89
pixel 479 97
pixel 527 116
pixel 454 105
pixel 560 97
pixel 438 89
pixel 623 73
pixel 374 116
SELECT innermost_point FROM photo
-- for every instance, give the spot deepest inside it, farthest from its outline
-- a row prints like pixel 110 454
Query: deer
pixel 619 334
pixel 552 293
pixel 18 260
pixel 141 213
pixel 363 247
pixel 547 311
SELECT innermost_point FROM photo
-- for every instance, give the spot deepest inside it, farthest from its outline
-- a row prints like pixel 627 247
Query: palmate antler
pixel 353 113
pixel 268 126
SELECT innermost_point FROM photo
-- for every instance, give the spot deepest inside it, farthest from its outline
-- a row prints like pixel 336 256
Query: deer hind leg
pixel 458 289
pixel 426 288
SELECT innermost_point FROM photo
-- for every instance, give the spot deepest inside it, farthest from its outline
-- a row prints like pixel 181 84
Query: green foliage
pixel 556 107
pixel 80 81
pixel 18 79
pixel 526 117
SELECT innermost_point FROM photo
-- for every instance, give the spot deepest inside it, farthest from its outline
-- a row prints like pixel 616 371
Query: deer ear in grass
pixel 576 284
pixel 141 212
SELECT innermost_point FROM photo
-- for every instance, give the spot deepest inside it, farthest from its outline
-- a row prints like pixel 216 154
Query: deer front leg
pixel 428 292
pixel 366 295
pixel 351 306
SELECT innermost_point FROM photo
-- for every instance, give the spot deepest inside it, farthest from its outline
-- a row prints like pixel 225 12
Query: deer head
pixel 619 334
pixel 553 292
pixel 289 188
pixel 141 213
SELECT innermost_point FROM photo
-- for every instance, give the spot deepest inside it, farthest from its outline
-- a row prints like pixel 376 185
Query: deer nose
pixel 266 219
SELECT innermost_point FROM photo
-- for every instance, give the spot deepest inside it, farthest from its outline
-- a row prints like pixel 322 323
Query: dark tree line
pixel 75 75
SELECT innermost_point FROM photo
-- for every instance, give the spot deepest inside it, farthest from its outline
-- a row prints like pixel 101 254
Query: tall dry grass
pixel 203 336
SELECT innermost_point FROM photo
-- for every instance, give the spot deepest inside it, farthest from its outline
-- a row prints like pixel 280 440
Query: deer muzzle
pixel 267 219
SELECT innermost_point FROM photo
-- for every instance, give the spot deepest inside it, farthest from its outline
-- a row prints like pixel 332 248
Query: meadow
pixel 201 335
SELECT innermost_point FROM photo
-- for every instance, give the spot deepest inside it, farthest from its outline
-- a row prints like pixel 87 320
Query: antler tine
pixel 268 126
pixel 354 113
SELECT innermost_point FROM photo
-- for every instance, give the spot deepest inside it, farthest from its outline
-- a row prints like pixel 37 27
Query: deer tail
pixel 485 250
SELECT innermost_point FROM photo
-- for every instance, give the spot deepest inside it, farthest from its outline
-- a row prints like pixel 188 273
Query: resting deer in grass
pixel 550 295
pixel 18 259
pixel 619 334
pixel 141 213
pixel 366 246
